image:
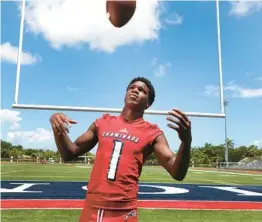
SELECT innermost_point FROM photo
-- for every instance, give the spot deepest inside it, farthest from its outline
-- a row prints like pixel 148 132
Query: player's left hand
pixel 181 124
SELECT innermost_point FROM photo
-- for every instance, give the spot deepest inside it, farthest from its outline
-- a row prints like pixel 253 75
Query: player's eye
pixel 142 89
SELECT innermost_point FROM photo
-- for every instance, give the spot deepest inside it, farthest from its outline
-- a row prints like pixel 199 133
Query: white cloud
pixel 212 90
pixel 40 138
pixel 72 23
pixel 174 19
pixel 9 54
pixel 154 61
pixel 71 89
pixel 244 8
pixel 235 90
pixel 259 78
pixel 258 143
pixel 160 69
pixel 250 93
pixel 11 118
pixel 239 91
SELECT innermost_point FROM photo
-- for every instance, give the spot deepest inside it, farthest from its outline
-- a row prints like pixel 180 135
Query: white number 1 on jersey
pixel 113 165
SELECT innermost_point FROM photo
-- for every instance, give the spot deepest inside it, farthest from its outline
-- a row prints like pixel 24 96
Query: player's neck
pixel 131 115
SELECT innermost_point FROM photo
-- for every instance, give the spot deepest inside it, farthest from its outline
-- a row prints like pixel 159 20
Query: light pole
pixel 226 145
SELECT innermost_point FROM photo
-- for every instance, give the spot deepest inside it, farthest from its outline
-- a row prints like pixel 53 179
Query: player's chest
pixel 131 138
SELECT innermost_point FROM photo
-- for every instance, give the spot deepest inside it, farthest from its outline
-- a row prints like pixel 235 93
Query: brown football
pixel 120 12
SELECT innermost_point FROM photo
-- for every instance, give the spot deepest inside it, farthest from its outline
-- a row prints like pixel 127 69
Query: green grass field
pixel 74 172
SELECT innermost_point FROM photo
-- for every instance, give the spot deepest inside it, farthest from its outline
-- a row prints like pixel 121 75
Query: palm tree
pixel 230 143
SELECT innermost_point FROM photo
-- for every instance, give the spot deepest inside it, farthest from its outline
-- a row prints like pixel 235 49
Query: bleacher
pixel 246 164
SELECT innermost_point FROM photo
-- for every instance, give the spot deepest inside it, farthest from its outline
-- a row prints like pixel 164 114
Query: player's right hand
pixel 61 123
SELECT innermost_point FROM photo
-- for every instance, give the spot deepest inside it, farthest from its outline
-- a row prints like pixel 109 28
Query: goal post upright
pixel 20 47
pixel 219 59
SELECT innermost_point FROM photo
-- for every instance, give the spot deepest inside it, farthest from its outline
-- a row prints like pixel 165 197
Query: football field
pixel 55 192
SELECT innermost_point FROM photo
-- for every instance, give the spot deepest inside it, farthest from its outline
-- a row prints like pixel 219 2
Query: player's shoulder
pixel 152 131
pixel 150 125
pixel 103 119
pixel 107 116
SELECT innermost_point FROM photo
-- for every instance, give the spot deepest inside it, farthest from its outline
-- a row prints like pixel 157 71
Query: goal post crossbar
pixel 111 110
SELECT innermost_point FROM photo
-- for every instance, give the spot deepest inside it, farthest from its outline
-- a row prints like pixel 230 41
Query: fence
pixel 245 164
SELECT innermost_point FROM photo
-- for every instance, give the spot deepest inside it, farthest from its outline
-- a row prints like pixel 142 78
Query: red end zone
pixel 182 205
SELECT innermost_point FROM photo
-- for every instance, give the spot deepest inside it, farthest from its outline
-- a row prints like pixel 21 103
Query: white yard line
pixel 219 182
pixel 225 172
pixel 84 167
pixel 12 171
pixel 227 175
pixel 69 176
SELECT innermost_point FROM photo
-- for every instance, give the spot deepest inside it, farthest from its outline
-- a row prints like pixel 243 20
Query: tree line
pixel 206 154
pixel 9 150
pixel 211 155
pixel 18 151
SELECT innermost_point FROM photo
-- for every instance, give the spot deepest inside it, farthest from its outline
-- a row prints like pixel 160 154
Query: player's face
pixel 137 96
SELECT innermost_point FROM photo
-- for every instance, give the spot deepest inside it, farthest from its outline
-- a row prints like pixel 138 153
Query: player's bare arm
pixel 68 149
pixel 177 166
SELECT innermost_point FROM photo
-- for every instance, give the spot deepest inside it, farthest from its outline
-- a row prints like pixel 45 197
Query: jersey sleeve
pixel 155 132
pixel 98 122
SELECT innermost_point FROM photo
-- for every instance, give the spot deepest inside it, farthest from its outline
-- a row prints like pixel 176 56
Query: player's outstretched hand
pixel 181 124
pixel 61 123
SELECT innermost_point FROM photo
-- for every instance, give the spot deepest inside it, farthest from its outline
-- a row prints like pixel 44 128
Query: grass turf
pixel 145 215
pixel 75 172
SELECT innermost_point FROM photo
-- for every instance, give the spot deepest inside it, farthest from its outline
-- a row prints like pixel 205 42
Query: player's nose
pixel 135 91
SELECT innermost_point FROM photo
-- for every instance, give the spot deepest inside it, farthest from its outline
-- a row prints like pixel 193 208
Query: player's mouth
pixel 133 96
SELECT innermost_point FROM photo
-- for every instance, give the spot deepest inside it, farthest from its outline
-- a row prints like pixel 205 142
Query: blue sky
pixel 72 56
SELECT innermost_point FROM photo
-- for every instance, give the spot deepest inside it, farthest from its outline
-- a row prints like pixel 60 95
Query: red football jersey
pixel 122 149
